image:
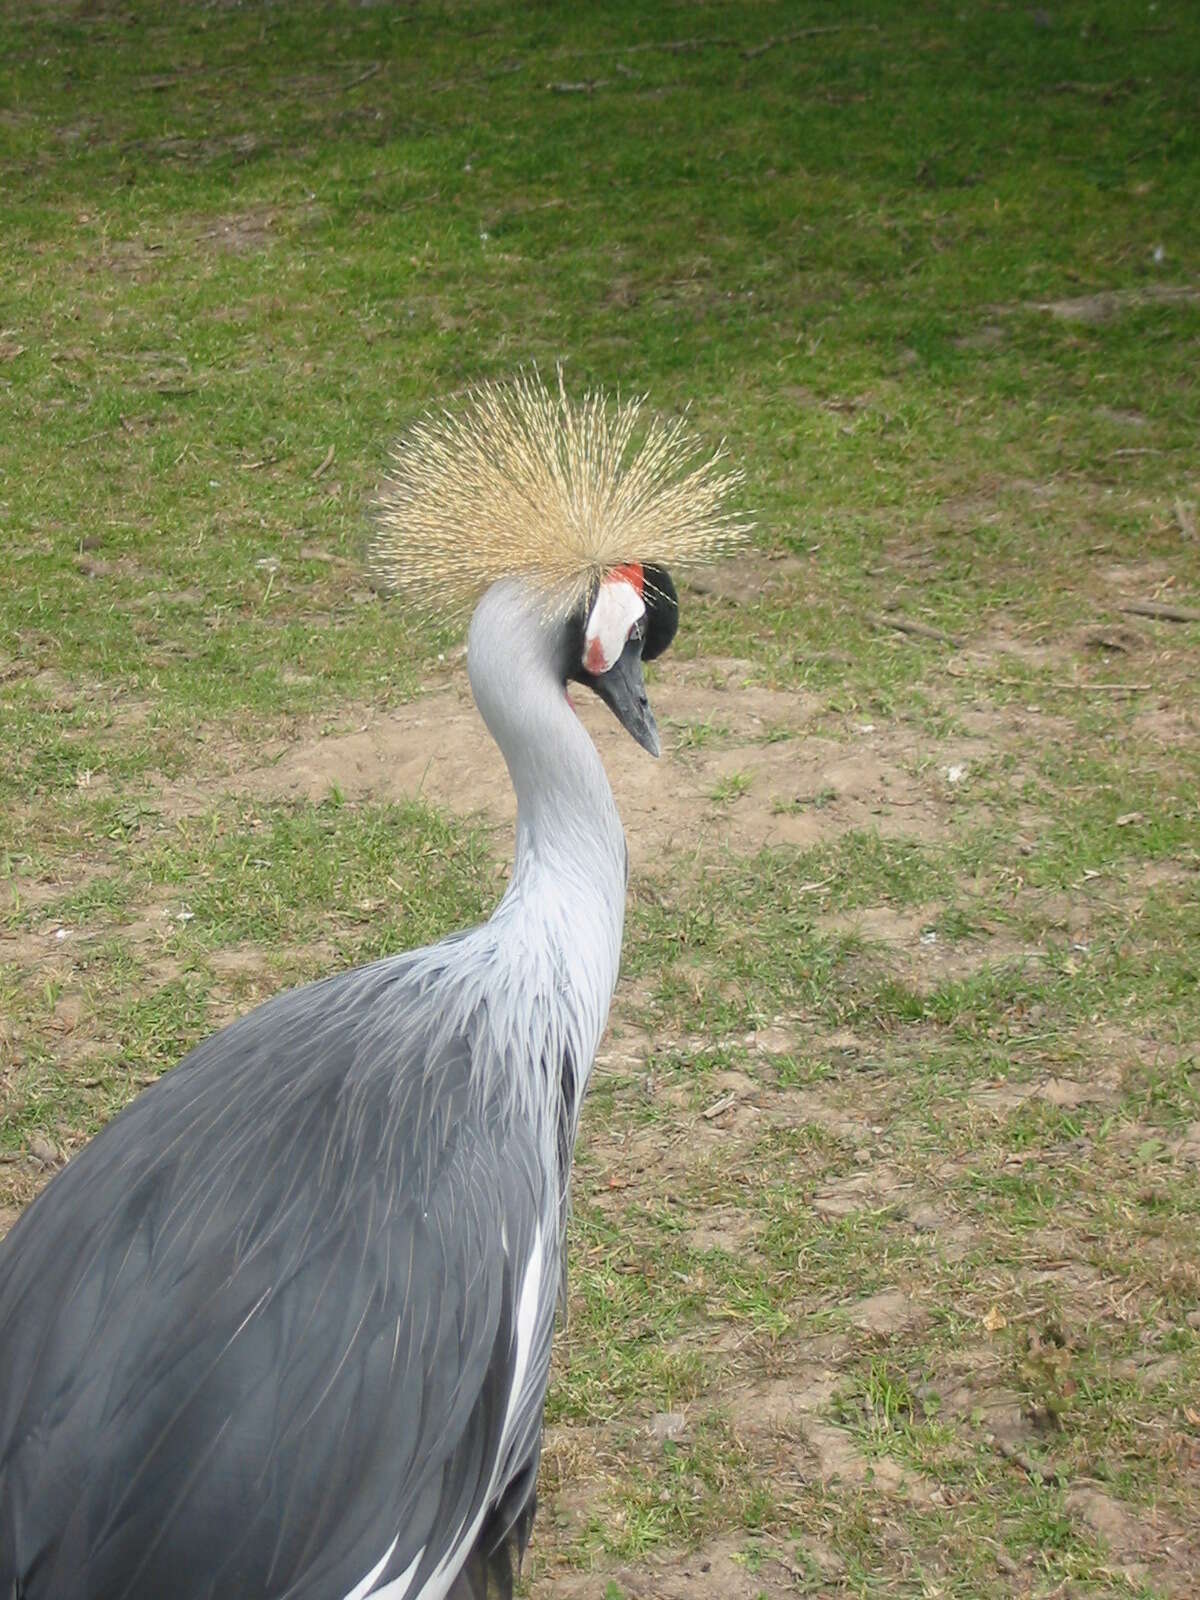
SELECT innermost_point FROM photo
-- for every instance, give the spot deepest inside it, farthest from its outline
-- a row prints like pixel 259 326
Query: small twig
pixel 588 86
pixel 723 1104
pixel 1134 450
pixel 376 66
pixel 800 33
pixel 340 88
pixel 679 47
pixel 1103 91
pixel 673 47
pixel 168 80
pixel 325 465
pixel 919 630
pixel 1099 688
pixel 1080 688
pixel 1164 613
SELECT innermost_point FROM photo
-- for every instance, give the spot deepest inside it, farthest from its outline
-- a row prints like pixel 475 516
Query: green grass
pixel 934 273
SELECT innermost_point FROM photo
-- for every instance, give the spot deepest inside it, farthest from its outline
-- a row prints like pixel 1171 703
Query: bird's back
pixel 287 1319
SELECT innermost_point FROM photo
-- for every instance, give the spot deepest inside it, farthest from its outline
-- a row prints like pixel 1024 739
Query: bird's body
pixel 250 1366
pixel 282 1330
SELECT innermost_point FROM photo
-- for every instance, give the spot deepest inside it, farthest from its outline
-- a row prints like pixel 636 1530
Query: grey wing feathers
pixel 245 1352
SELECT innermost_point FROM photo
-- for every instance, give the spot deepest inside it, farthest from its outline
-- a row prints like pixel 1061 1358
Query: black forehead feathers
pixel 662 611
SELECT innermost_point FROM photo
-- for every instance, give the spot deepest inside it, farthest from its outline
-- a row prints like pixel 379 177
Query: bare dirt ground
pixel 800 787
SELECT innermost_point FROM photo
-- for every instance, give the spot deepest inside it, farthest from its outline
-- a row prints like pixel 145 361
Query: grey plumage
pixel 283 1328
pixel 321 1280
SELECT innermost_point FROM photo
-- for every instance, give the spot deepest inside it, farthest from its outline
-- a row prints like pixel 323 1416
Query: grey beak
pixel 623 690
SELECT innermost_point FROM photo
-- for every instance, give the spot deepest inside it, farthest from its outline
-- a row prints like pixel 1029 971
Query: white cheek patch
pixel 618 606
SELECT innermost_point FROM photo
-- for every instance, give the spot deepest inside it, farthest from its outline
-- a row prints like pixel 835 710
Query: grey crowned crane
pixel 282 1330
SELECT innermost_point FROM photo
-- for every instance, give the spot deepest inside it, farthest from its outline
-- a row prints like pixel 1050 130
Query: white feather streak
pixel 397 1589
pixel 363 1586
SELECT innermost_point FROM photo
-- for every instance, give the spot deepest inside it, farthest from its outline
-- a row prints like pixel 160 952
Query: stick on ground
pixel 1164 613
pixel 919 630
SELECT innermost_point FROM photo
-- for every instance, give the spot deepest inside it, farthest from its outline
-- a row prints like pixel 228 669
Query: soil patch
pixel 237 232
pixel 1106 304
pixel 755 779
pixel 717 1571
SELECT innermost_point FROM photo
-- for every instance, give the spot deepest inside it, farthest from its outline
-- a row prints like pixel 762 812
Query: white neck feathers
pixel 567 894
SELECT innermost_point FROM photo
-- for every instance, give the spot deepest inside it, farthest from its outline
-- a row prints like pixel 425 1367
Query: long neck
pixel 569 872
pixel 566 899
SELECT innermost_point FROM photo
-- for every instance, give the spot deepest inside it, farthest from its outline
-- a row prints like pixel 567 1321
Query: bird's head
pixel 558 518
pixel 628 618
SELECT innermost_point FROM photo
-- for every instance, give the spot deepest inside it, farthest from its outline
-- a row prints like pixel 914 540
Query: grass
pixel 889 1182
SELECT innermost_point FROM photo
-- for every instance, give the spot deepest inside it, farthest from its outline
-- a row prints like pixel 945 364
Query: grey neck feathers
pixel 567 893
